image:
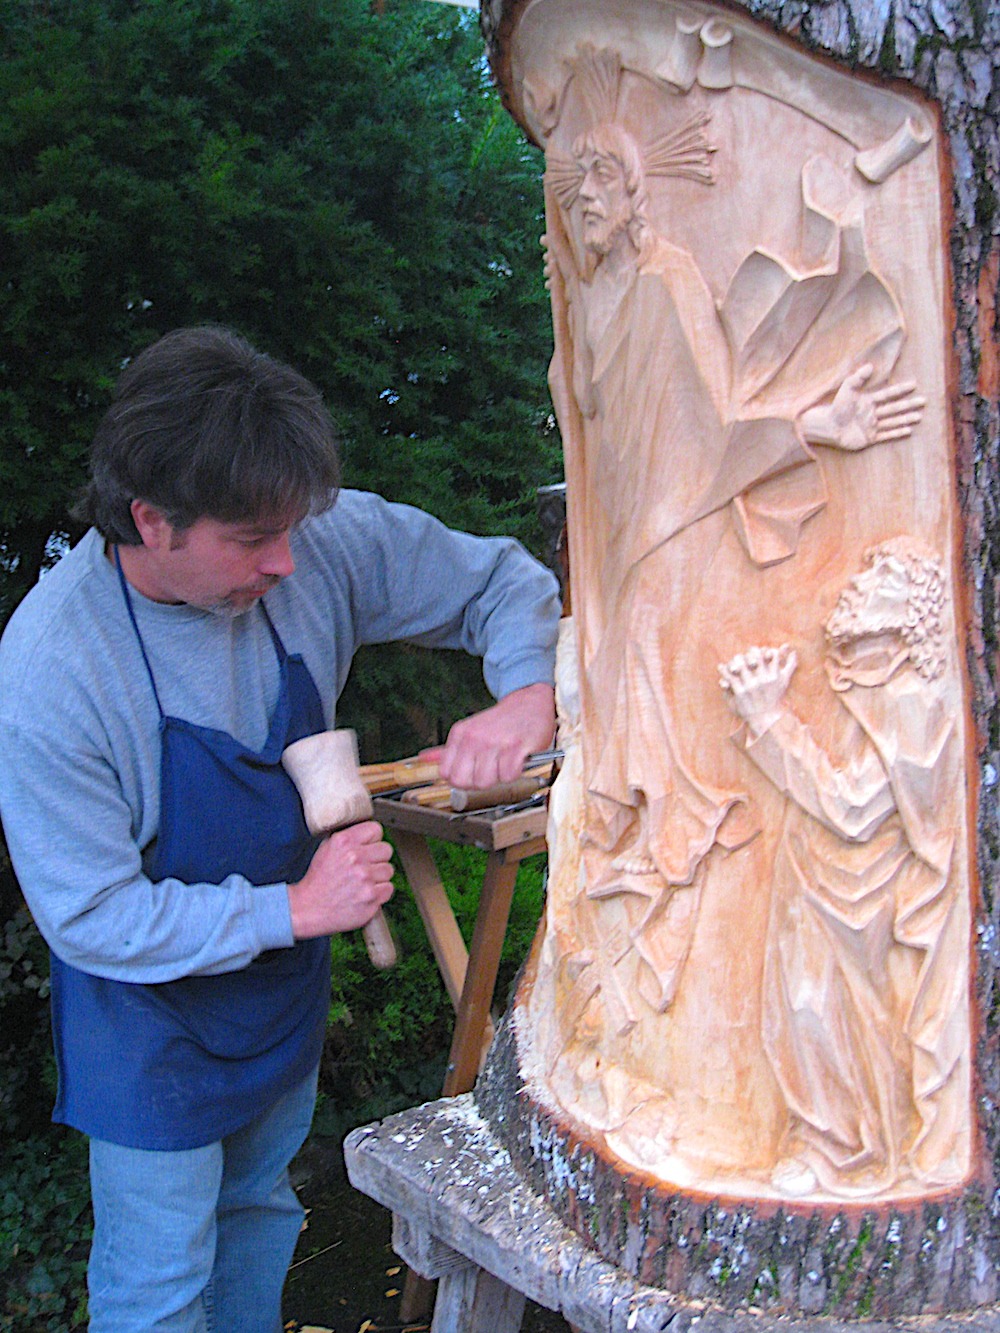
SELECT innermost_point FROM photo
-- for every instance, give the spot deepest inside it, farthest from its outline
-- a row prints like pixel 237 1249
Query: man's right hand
pixel 348 880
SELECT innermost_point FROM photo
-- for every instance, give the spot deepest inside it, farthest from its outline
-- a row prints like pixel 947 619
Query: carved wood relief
pixel 753 977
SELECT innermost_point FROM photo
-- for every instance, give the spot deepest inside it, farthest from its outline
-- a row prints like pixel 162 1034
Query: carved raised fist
pixel 756 682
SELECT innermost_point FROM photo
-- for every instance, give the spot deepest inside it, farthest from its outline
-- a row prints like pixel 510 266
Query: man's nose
pixel 277 557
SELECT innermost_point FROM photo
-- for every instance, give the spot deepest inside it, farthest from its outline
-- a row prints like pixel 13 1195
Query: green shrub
pixel 44 1195
pixel 45 1229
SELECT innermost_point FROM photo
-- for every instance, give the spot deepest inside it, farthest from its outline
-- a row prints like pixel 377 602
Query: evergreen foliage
pixel 340 185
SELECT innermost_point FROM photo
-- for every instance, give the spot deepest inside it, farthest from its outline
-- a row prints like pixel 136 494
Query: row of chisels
pixel 418 781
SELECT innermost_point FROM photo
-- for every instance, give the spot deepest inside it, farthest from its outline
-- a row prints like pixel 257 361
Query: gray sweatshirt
pixel 79 727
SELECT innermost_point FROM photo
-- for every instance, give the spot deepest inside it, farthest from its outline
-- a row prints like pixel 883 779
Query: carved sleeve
pixel 852 801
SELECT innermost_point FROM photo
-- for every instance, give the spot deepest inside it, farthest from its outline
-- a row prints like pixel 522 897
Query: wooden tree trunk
pixel 943 1254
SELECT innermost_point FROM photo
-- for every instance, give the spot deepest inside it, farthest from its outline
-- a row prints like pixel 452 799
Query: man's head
pixel 899 595
pixel 202 426
pixel 612 189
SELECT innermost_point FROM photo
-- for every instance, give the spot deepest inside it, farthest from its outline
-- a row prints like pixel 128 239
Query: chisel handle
pixel 416 771
pixel 398 773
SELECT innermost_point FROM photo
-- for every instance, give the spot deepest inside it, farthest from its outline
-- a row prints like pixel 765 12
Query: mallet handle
pixel 324 769
pixel 379 942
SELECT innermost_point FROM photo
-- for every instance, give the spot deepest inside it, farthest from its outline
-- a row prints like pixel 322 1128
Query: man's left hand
pixel 491 746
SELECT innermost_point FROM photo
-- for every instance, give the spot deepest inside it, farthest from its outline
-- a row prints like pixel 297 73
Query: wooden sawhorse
pixel 469 975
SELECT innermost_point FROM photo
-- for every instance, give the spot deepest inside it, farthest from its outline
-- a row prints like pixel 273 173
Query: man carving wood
pixel 148 688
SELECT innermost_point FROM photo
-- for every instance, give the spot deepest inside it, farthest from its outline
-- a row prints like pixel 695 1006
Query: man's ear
pixel 154 529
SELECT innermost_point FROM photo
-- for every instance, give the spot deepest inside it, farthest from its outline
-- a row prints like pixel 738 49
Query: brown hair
pixel 203 425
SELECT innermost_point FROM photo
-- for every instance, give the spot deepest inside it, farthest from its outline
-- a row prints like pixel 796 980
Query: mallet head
pixel 324 769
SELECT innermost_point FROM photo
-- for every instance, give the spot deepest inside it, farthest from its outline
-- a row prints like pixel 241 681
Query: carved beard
pixel 865 648
pixel 852 618
pixel 601 234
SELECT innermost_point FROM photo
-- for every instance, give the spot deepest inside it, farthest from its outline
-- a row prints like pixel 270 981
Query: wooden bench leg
pixel 417 1300
pixel 469 1299
pixel 470 979
pixel 474 1301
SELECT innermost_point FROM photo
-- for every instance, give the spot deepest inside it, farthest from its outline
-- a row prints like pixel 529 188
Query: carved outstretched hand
pixel 756 682
pixel 858 417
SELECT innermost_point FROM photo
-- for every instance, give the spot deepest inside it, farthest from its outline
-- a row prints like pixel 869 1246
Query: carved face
pixel 875 601
pixel 607 203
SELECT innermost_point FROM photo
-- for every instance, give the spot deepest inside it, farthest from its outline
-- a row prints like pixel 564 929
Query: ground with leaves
pixel 345 1277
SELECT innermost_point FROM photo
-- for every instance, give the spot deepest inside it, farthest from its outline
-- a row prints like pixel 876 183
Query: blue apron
pixel 181 1063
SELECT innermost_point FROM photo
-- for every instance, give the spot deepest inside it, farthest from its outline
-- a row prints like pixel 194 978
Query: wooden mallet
pixel 324 769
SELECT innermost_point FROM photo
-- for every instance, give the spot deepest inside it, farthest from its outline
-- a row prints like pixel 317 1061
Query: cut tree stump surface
pixel 461 1205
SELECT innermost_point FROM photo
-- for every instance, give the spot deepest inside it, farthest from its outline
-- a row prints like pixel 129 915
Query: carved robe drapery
pixel 698 416
pixel 862 1002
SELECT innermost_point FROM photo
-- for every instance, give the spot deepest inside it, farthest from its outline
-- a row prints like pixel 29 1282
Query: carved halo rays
pixel 683 151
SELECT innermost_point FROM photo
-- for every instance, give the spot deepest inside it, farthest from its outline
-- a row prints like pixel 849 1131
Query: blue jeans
pixel 200 1240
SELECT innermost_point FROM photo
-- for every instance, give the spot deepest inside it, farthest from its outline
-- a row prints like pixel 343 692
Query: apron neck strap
pixel 135 625
pixel 279 647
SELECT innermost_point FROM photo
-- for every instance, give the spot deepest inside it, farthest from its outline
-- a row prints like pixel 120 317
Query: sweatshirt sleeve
pixel 416 580
pixel 69 832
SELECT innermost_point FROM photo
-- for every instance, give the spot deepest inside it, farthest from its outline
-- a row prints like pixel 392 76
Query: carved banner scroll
pixel 753 979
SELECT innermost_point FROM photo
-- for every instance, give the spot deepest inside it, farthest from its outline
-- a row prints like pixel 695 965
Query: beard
pixel 853 619
pixel 845 620
pixel 234 605
pixel 227 610
pixel 601 234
